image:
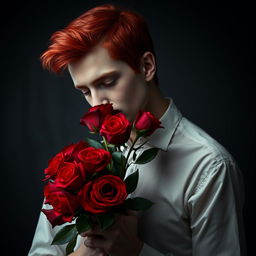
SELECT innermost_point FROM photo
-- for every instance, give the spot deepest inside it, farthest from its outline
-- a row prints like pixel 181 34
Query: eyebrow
pixel 102 77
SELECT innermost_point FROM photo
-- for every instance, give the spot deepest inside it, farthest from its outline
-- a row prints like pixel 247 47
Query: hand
pixel 121 239
pixel 83 250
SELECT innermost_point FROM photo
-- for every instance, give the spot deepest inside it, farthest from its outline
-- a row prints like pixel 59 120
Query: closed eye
pixel 101 85
pixel 85 93
pixel 108 83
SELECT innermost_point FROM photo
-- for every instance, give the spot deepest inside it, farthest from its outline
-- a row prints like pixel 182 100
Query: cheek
pixel 131 98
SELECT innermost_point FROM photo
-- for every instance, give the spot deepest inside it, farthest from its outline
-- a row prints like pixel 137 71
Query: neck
pixel 157 104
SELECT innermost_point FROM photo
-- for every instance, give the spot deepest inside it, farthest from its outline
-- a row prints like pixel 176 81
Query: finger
pixel 92 233
pixel 95 242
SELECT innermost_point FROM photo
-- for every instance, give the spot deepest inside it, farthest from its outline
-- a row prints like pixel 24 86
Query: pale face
pixel 121 86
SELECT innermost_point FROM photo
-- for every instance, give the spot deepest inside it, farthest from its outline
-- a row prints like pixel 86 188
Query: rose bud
pixel 146 123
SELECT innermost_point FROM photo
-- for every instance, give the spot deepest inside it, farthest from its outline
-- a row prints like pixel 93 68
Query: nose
pixel 98 98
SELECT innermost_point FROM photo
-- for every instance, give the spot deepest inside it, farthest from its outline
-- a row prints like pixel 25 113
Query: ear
pixel 148 66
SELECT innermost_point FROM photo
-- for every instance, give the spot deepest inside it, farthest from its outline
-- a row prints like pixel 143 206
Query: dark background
pixel 206 63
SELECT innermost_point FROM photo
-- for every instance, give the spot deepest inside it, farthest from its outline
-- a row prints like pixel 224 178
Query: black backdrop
pixel 206 63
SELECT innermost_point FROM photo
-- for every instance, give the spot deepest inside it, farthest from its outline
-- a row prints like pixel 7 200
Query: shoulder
pixel 191 136
pixel 206 158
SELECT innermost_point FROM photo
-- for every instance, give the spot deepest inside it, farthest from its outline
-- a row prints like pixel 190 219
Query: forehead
pixel 93 65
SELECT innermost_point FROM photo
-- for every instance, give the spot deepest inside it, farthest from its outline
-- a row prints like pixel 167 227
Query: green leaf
pixel 112 148
pixel 115 170
pixel 94 143
pixel 147 156
pixel 65 235
pixel 106 220
pixel 119 162
pixel 141 133
pixel 83 223
pixel 71 245
pixel 118 158
pixel 132 181
pixel 138 203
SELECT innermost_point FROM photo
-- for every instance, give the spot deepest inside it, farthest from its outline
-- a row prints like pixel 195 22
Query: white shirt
pixel 197 188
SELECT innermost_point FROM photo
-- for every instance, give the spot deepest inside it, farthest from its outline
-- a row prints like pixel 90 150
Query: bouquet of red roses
pixel 86 180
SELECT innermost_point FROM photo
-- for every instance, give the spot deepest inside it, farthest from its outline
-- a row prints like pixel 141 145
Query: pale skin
pixel 128 92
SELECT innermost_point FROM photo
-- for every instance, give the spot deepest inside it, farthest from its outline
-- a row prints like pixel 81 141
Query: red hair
pixel 124 33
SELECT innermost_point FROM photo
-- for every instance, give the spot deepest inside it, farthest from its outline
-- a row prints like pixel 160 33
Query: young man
pixel 195 183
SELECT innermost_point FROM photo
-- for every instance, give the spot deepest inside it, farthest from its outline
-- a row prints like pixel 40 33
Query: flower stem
pixel 110 165
pixel 105 143
pixel 130 150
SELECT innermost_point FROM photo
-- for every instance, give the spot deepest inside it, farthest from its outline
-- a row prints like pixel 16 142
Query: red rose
pixel 99 195
pixel 71 176
pixel 70 152
pixel 116 129
pixel 53 166
pixel 146 121
pixel 62 201
pixel 94 159
pixel 95 117
pixel 56 218
pixel 67 154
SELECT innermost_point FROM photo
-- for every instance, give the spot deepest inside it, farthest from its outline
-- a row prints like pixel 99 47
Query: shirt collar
pixel 162 137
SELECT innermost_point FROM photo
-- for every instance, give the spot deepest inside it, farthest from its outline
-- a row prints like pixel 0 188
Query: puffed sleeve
pixel 41 243
pixel 216 211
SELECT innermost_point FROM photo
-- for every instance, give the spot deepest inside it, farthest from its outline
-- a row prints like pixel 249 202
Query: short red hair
pixel 124 33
